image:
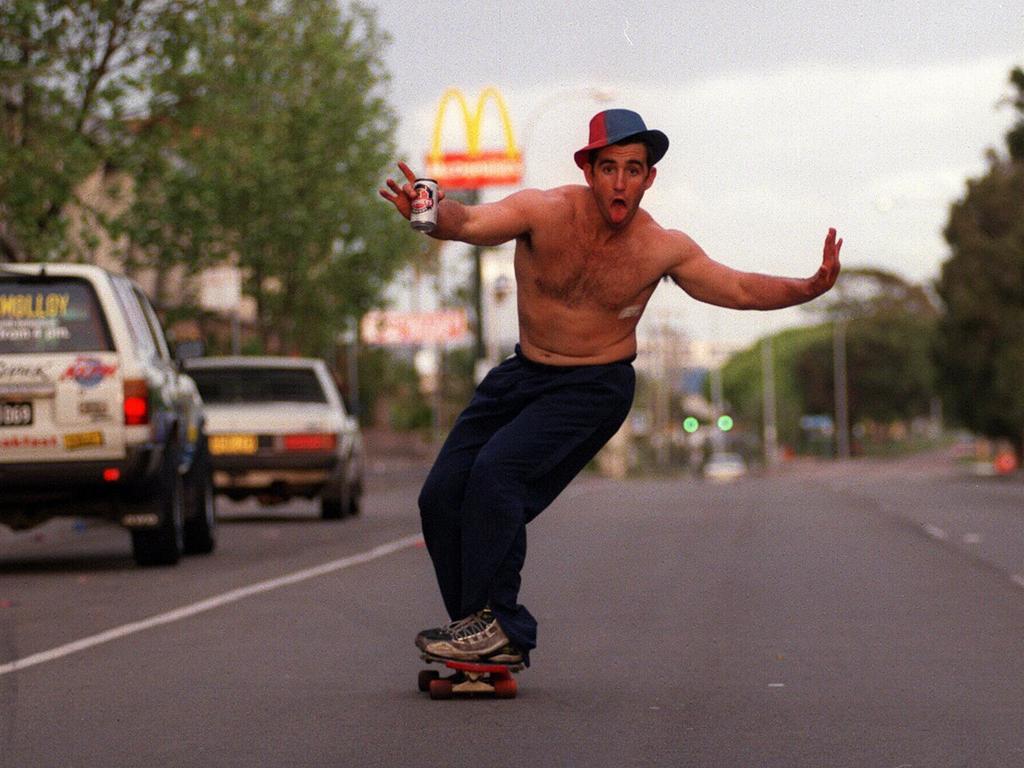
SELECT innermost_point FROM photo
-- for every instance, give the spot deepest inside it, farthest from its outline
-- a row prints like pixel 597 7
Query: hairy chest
pixel 575 275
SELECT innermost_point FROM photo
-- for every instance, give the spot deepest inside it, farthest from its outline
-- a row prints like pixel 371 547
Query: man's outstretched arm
pixel 714 283
pixel 484 224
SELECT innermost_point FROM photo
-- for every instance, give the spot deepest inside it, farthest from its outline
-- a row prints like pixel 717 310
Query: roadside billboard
pixel 407 329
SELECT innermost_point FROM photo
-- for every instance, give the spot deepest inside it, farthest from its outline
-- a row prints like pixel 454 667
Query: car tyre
pixel 165 543
pixel 332 508
pixel 334 501
pixel 201 523
pixel 355 497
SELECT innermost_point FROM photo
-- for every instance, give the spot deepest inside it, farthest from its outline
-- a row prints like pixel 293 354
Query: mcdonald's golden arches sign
pixel 476 167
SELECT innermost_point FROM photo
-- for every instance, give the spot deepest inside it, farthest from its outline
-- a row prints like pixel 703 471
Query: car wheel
pixel 163 544
pixel 201 522
pixel 332 508
pixel 355 497
pixel 334 500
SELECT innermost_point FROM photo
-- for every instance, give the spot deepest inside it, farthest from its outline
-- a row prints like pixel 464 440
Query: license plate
pixel 234 444
pixel 78 440
pixel 15 414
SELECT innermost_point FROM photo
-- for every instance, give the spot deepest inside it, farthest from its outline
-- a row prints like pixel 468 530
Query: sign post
pixel 474 169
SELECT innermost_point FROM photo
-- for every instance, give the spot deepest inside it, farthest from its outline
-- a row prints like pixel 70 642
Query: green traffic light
pixel 690 424
pixel 725 423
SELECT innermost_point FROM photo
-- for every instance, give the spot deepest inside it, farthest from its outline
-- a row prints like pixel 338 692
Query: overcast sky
pixel 784 119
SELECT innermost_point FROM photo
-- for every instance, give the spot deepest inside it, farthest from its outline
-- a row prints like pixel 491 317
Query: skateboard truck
pixel 469 678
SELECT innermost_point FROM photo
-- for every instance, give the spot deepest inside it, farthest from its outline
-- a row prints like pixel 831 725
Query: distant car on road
pixel 278 429
pixel 96 419
pixel 723 467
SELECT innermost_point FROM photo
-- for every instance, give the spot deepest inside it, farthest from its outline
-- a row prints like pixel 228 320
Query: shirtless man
pixel 587 260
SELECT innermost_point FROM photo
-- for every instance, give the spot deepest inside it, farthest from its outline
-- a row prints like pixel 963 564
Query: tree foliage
pixel 253 133
pixel 890 371
pixel 981 336
pixel 743 382
pixel 70 75
pixel 275 132
pixel 890 325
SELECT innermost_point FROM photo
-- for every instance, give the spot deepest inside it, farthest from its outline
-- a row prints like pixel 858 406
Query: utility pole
pixel 664 394
pixel 840 386
pixel 771 434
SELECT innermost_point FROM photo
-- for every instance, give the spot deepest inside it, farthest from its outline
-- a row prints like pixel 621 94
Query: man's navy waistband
pixel 556 368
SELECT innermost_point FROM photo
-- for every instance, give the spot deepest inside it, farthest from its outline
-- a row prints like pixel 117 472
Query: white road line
pixel 935 532
pixel 1017 579
pixel 209 604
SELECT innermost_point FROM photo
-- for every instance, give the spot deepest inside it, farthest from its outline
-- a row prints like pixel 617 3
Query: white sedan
pixel 278 429
pixel 723 467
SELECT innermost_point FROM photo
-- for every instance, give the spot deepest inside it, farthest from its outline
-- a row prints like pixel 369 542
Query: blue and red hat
pixel 614 125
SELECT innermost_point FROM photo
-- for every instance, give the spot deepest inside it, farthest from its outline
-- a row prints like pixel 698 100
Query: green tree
pixel 742 381
pixel 891 375
pixel 889 339
pixel 274 134
pixel 890 372
pixel 980 345
pixel 70 74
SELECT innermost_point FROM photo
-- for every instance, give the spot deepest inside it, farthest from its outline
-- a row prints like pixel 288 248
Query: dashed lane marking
pixel 209 604
pixel 968 538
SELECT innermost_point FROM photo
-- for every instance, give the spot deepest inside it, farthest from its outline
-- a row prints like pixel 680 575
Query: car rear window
pixel 258 385
pixel 50 315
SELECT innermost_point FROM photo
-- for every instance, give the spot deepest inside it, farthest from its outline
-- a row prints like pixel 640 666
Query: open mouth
pixel 618 210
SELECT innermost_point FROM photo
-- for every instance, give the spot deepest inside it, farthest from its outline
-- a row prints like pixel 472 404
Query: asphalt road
pixel 862 615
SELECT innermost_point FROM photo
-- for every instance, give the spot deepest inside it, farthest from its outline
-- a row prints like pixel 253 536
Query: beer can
pixel 424 205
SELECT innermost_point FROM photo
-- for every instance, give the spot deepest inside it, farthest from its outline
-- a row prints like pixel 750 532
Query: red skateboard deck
pixel 469 678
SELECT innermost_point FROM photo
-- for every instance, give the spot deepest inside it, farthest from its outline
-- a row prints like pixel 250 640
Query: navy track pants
pixel 528 431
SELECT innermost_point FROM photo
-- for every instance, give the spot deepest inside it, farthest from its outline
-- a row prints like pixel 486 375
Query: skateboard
pixel 469 678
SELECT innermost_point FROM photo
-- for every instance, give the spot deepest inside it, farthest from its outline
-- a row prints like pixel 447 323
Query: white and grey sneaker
pixel 475 637
pixel 441 633
pixel 507 654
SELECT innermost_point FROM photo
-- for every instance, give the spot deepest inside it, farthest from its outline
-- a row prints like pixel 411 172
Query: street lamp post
pixel 840 385
pixel 594 93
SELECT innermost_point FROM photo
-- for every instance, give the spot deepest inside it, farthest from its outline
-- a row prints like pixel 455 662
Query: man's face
pixel 618 177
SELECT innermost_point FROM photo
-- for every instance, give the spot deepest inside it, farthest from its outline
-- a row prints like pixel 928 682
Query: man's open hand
pixel 829 269
pixel 402 195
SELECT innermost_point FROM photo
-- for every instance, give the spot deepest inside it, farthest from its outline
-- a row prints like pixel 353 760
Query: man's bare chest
pixel 577 276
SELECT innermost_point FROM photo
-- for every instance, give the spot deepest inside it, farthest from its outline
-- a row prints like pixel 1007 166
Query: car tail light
pixel 136 402
pixel 319 441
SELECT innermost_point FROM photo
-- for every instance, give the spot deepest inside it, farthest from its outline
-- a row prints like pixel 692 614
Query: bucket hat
pixel 613 125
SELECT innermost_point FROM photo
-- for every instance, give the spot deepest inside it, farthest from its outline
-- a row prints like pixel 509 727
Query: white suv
pixel 95 417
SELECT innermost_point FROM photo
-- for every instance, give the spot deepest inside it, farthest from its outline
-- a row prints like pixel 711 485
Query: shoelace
pixel 452 626
pixel 471 625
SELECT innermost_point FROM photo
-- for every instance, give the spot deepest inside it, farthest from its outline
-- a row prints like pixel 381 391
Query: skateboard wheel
pixel 440 689
pixel 505 689
pixel 426 675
